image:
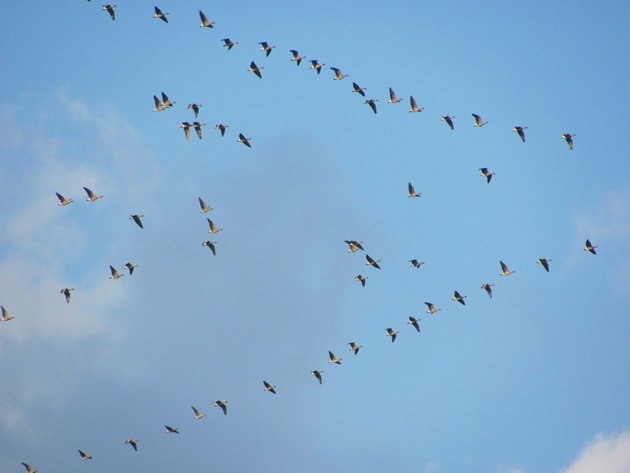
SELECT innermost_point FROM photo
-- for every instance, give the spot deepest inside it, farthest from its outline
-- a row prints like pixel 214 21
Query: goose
pixel 5 315
pixel 62 200
pixel 110 9
pixel 222 405
pixel 204 207
pixel 478 121
pixel 414 323
pixel 186 127
pixel 354 245
pixel 457 297
pixel 205 23
pixel 544 262
pixel 488 288
pixel 130 267
pixel 133 442
pixel 487 174
pixel 414 105
pixel 264 47
pixel 316 66
pixel 333 359
pixel 431 309
pixel 85 456
pixel 221 127
pixel 520 132
pixel 195 108
pixel 244 140
pixel 136 218
pixel 449 121
pixel 213 227
pixel 66 292
pixel 198 414
pixel 354 347
pixel 568 137
pixel 392 97
pixel 29 468
pixel 412 192
pixel 159 15
pixel 588 246
pixel 391 333
pixel 372 104
pixel 91 195
pixel 372 262
pixel 255 69
pixel 159 106
pixel 115 273
pixel 415 263
pixel 504 269
pixel 166 101
pixel 269 387
pixel 211 246
pixel 171 430
pixel 229 43
pixel 318 375
pixel 338 74
pixel 361 279
pixel 358 89
pixel 297 58
pixel 197 126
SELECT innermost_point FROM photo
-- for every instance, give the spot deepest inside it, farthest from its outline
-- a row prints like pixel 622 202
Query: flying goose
pixel 361 279
pixel 198 414
pixel 130 267
pixel 415 263
pixel 296 57
pixel 568 137
pixel 431 309
pixel 457 297
pixel 221 127
pixel 414 106
pixel 195 108
pixel 229 43
pixel 133 442
pixel 411 192
pixel 354 347
pixel 186 127
pixel 136 218
pixel 318 375
pixel 211 246
pixel 244 140
pixel 159 105
pixel 414 323
pixel 449 120
pixel 255 69
pixel 333 359
pixel 372 104
pixel 520 132
pixel 5 315
pixel 110 9
pixel 171 430
pixel 338 74
pixel 91 195
pixel 544 262
pixel 166 101
pixel 488 288
pixel 264 47
pixel 504 269
pixel 372 262
pixel 478 121
pixel 29 468
pixel 354 245
pixel 115 273
pixel 204 207
pixel 222 405
pixel 159 15
pixel 62 200
pixel 66 292
pixel 589 247
pixel 213 227
pixel 269 387
pixel 85 456
pixel 197 126
pixel 392 97
pixel 205 23
pixel 487 174
pixel 358 89
pixel 391 333
pixel 316 66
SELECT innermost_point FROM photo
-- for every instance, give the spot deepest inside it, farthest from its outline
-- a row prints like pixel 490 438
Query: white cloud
pixel 606 454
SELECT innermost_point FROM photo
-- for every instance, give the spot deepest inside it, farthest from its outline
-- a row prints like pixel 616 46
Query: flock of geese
pixel 163 103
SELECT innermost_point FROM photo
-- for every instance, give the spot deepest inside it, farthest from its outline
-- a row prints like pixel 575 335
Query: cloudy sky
pixel 534 380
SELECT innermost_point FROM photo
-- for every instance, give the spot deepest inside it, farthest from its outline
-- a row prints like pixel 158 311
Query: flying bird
pixel 222 405
pixel 221 127
pixel 414 106
pixel 504 269
pixel 488 288
pixel 392 97
pixel 213 227
pixel 333 359
pixel 487 174
pixel 110 9
pixel 85 456
pixel 166 101
pixel 244 140
pixel 391 333
pixel 372 104
pixel 521 133
pixel 411 192
pixel 358 89
pixel 457 297
pixel 354 347
pixel 195 108
pixel 361 279
pixel 228 43
pixel 544 262
pixel 296 57
pixel 211 246
pixel 136 218
pixel 186 127
pixel 255 69
pixel 478 121
pixel 66 292
pixel 338 74
pixel 62 200
pixel 133 442
pixel 115 273
pixel 268 387
pixel 91 195
pixel 205 23
pixel 5 315
pixel 414 323
pixel 588 246
pixel 318 375
pixel 204 207
pixel 568 137
pixel 354 245
pixel 264 47
pixel 372 262
pixel 171 430
pixel 415 263
pixel 159 105
pixel 29 468
pixel 431 309
pixel 159 15
pixel 316 66
pixel 197 126
pixel 448 120
pixel 198 414
pixel 130 267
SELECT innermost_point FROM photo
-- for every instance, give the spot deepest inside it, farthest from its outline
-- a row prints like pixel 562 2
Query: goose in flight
pixel 166 101
pixel 544 262
pixel 222 405
pixel 316 66
pixel 29 468
pixel 269 387
pixel 338 74
pixel 333 359
pixel 372 104
pixel 133 442
pixel 588 246
pixel 361 279
pixel 354 245
pixel 431 309
pixel 520 132
pixel 415 263
pixel 204 207
pixel 392 97
pixel 255 69
pixel 159 105
pixel 85 456
pixel 197 126
pixel 297 58
pixel 195 108
pixel 487 174
pixel 115 273
pixel 415 323
pixel 136 218
pixel 391 333
pixel 159 15
pixel 244 140
pixel 186 127
pixel 221 127
pixel 62 200
pixel 266 48
pixel 478 121
pixel 205 23
pixel 414 106
pixel 91 195
pixel 228 43
pixel 66 292
pixel 568 137
pixel 213 228
pixel 457 297
pixel 198 414
pixel 372 262
pixel 449 121
pixel 358 89
pixel 354 347
pixel 171 430
pixel 504 269
pixel 211 246
pixel 130 267
pixel 488 288
pixel 318 375
pixel 411 192
pixel 110 9
pixel 5 315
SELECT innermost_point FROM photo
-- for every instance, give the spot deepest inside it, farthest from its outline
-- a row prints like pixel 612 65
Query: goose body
pixel 487 174
pixel 91 195
pixel 222 405
pixel 588 246
pixel 186 127
pixel 228 43
pixel 5 315
pixel 195 108
pixel 66 292
pixel 354 347
pixel 198 414
pixel 505 271
pixel 159 15
pixel 115 274
pixel 457 297
pixel 449 121
pixel 372 104
pixel 372 262
pixel 415 263
pixel 197 126
pixel 338 74
pixel 266 48
pixel 520 131
pixel 318 375
pixel 85 456
pixel 297 58
pixel 243 139
pixel 392 97
pixel 332 359
pixel 478 121
pixel 255 69
pixel 414 106
pixel 133 442
pixel 211 246
pixel 213 228
pixel 110 9
pixel 204 207
pixel 411 192
pixel 316 66
pixel 354 245
pixel 415 323
pixel 137 219
pixel 62 200
pixel 391 333
pixel 431 309
pixel 171 430
pixel 488 288
pixel 221 127
pixel 361 279
pixel 358 89
pixel 544 262
pixel 205 23
pixel 568 137
pixel 269 387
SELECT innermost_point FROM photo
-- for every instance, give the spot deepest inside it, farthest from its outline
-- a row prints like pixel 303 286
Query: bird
pixel 110 9
pixel 204 206
pixel 62 200
pixel 338 74
pixel 488 288
pixel 210 245
pixel 332 359
pixel 66 292
pixel 568 137
pixel 171 430
pixel 414 323
pixel 269 387
pixel 205 23
pixel 354 245
pixel 457 297
pixel 255 69
pixel 297 58
pixel 372 262
pixel 186 127
pixel 544 262
pixel 221 127
pixel 166 101
pixel 411 192
pixel 195 108
pixel 213 227
pixel 222 405
pixel 115 273
pixel 392 97
pixel 360 278
pixel 372 104
pixel 229 43
pixel 85 456
pixel 354 347
pixel 487 174
pixel 504 269
pixel 431 309
pixel 316 66
pixel 133 442
pixel 158 14
pixel 91 195
pixel 588 246
pixel 244 140
pixel 5 315
pixel 136 218
pixel 358 89
pixel 29 468
pixel 478 121
pixel 198 414
pixel 521 133
pixel 266 48
pixel 414 105
pixel 130 267
pixel 318 375
pixel 449 120
pixel 159 105
pixel 415 263
pixel 391 333
pixel 197 126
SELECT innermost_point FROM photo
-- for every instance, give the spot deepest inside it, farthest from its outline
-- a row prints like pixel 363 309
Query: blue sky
pixel 534 380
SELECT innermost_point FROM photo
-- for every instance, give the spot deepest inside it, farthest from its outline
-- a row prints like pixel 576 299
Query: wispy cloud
pixel 606 453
